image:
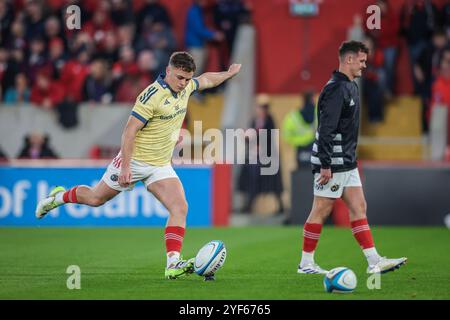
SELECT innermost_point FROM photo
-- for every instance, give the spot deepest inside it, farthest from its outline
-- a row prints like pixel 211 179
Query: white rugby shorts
pixel 336 185
pixel 139 172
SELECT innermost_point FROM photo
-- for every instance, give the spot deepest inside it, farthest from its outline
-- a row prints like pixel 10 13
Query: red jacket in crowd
pixel 441 96
pixel 47 90
pixel 72 77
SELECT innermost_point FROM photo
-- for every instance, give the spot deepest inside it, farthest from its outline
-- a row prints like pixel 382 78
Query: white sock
pixel 59 198
pixel 172 257
pixel 307 258
pixel 372 256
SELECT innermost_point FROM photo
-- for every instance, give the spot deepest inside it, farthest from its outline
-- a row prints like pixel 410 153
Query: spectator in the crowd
pixel 441 92
pixel 98 85
pixel 126 35
pixel 37 146
pixel 6 20
pixel 126 63
pixel 160 39
pixel 3 68
pixel 37 58
pixel 441 87
pixel 54 7
pixel 16 63
pixel 148 66
pixel 426 70
pixel 299 129
pixel 74 73
pixel 110 50
pixel 356 31
pixel 197 34
pixel 131 85
pixel 121 12
pixel 81 41
pixel 45 93
pixel 98 27
pixel 34 19
pixel 53 29
pixel 418 20
pixel 372 88
pixel 228 15
pixel 57 57
pixel 16 40
pixel 445 18
pixel 20 93
pixel 152 12
pixel 387 40
pixel 136 78
pixel 97 5
pixel 127 88
pixel 251 181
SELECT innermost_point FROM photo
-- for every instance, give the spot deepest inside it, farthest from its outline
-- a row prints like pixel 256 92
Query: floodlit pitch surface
pixel 128 263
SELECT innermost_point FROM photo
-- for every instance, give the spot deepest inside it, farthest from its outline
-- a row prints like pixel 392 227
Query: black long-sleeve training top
pixel 338 125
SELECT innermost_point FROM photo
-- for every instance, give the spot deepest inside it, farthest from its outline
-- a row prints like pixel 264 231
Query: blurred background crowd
pixel 121 48
pixel 426 29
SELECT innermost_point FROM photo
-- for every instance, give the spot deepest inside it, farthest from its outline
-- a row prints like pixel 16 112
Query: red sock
pixel 311 235
pixel 70 196
pixel 361 231
pixel 174 238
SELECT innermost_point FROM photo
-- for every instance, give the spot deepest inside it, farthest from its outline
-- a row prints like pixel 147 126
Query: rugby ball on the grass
pixel 210 258
pixel 340 280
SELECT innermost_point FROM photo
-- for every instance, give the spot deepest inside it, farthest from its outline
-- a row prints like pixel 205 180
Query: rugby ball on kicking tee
pixel 340 280
pixel 210 258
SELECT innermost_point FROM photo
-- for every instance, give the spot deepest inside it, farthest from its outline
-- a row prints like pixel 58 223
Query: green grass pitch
pixel 128 263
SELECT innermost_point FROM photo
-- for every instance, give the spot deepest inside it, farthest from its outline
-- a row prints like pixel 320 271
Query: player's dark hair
pixel 352 47
pixel 182 60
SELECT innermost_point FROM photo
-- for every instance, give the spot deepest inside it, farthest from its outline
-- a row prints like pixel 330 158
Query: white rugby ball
pixel 340 280
pixel 210 258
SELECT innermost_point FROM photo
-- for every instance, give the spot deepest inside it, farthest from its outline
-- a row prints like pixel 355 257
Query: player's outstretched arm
pixel 213 79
